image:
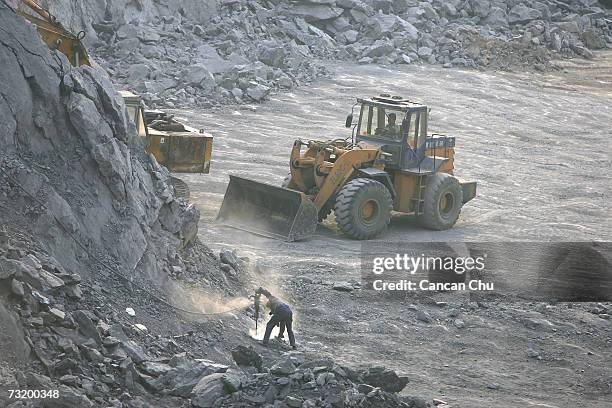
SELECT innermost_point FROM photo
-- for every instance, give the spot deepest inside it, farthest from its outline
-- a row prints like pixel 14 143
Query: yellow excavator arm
pixel 54 34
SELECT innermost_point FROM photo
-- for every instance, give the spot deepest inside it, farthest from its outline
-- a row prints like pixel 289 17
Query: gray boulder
pixel 155 369
pixel 423 316
pixel 86 326
pixel 521 14
pixel 384 5
pixel 449 10
pixel 480 8
pixel 284 367
pixel 137 72
pixel 273 56
pixel 230 258
pixel 181 380
pixel 134 351
pixel 593 40
pixel 351 36
pixel 382 24
pixel 208 390
pixel 199 76
pixel 233 380
pixel 126 31
pixel 9 267
pixel 569 26
pixel 378 49
pixel 247 356
pixel 210 58
pixel 424 52
pixel 497 18
pixel 315 12
pixel 356 5
pixel 341 24
pixel 385 379
pixel 544 9
pixel 430 12
pixel 258 92
pixel 409 31
pixel 401 6
pixel 582 51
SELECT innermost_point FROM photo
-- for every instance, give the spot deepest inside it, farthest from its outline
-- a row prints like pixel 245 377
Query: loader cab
pixel 396 125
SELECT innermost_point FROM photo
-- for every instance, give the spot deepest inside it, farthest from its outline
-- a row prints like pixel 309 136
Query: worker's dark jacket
pixel 279 309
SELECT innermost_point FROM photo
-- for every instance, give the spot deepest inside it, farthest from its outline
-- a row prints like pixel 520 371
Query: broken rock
pixel 233 380
pixel 208 390
pixel 258 92
pixel 247 356
pixel 284 367
pixel 521 14
pixel 155 369
pixel 315 12
pixel 199 76
pixel 385 379
pixel 17 288
pixel 86 326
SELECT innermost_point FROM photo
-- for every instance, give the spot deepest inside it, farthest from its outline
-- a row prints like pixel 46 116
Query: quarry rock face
pixel 91 172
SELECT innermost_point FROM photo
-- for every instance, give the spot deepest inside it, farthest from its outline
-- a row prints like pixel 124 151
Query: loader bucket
pixel 267 210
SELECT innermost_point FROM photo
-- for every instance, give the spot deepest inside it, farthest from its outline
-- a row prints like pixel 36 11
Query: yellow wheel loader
pixel 390 164
pixel 181 148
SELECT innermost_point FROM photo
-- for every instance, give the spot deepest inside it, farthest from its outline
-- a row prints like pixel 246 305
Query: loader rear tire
pixel 442 202
pixel 363 208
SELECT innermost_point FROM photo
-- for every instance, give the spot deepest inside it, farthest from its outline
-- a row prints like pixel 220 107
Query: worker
pixel 281 316
pixel 392 130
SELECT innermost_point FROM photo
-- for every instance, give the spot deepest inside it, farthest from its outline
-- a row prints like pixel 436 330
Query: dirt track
pixel 539 147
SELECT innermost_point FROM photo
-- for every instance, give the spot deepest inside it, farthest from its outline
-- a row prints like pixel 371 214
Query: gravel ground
pixel 538 145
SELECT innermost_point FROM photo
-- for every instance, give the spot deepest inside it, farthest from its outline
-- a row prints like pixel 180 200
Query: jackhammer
pixel 256 303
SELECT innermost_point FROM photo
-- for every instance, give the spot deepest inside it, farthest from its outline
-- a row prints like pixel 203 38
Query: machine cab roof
pixel 394 102
pixel 392 121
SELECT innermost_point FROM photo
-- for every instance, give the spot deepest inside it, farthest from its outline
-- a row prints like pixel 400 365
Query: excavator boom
pixel 55 35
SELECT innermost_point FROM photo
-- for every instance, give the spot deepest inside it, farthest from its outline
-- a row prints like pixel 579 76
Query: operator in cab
pixel 392 130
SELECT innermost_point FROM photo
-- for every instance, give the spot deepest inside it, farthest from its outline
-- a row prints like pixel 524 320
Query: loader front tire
pixel 363 208
pixel 442 202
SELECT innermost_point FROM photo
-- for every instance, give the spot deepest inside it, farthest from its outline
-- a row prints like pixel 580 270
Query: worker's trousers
pixel 285 321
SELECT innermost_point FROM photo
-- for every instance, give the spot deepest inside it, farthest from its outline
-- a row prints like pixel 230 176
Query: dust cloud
pixel 199 301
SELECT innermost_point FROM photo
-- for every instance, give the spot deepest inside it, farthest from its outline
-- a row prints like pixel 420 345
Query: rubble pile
pixel 174 61
pixel 93 359
pixel 295 381
pixel 247 49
